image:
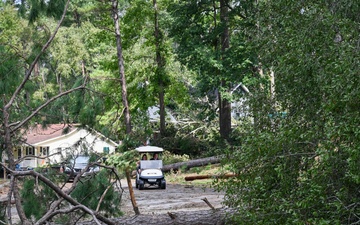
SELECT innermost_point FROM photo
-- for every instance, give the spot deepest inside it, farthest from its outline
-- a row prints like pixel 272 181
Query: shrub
pixel 169 158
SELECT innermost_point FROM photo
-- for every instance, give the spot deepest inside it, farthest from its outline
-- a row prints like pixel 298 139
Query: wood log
pixel 209 176
pixel 188 164
pixel 192 163
pixel 203 217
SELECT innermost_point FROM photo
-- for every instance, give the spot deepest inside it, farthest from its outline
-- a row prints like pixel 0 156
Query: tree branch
pixel 20 124
pixel 60 193
pixel 31 68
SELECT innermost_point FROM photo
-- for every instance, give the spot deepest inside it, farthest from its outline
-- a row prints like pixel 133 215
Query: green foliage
pixel 36 196
pixel 131 141
pixel 11 38
pixel 3 213
pixel 124 160
pixel 89 191
pixel 31 202
pixel 38 8
pixel 169 158
pixel 197 29
pixel 301 169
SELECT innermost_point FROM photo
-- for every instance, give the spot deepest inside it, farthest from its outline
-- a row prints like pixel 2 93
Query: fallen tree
pixel 192 163
pixel 209 176
pixel 203 217
pixel 188 164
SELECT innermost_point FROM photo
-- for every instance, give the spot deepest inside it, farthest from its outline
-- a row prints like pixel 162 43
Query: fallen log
pixel 192 163
pixel 209 176
pixel 188 164
pixel 203 217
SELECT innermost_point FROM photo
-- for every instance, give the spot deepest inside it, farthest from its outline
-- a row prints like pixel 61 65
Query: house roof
pixel 38 133
pixel 154 114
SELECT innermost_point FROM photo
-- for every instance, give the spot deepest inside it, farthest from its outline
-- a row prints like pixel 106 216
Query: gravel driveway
pixel 174 198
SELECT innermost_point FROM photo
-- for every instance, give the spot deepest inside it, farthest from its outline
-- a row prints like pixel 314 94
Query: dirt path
pixel 158 201
pixel 174 198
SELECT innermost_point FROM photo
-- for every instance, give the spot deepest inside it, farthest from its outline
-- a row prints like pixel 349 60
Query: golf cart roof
pixel 148 148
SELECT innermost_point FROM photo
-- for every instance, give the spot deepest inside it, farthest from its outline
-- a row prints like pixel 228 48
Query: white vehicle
pixel 149 172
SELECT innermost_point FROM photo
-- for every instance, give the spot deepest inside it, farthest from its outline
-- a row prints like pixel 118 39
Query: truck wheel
pixel 141 186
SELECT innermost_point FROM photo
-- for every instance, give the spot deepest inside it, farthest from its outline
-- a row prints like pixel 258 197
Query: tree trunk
pixel 160 63
pixel 225 117
pixel 192 163
pixel 199 177
pixel 204 217
pixel 121 66
pixel 224 104
pixel 14 186
pixel 131 191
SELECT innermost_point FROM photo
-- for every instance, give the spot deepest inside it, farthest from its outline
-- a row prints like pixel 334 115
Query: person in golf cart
pixel 144 157
pixel 150 171
pixel 155 156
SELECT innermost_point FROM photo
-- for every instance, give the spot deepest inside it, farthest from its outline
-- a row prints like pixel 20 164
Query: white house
pixel 57 141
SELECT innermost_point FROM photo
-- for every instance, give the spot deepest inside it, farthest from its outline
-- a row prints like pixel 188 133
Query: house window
pixel 30 151
pixel 19 151
pixel 44 151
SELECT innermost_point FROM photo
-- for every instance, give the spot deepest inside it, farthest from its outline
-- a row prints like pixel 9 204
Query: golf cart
pixel 150 171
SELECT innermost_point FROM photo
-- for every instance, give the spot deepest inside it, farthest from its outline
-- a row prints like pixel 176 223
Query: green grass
pixel 178 177
pixel 2 180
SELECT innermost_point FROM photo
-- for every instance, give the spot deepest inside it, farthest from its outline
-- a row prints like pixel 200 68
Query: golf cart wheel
pixel 141 186
pixel 163 185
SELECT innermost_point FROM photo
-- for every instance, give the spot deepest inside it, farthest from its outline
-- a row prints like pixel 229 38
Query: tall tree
pixel 203 32
pixel 21 106
pixel 224 103
pixel 299 166
pixel 160 70
pixel 153 74
pixel 8 127
pixel 115 14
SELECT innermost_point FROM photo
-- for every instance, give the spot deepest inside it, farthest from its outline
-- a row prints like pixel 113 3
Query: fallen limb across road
pixel 199 177
pixel 203 217
pixel 189 164
pixel 192 163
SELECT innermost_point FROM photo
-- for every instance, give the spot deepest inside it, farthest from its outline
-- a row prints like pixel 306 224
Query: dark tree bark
pixel 224 104
pixel 127 117
pixel 192 163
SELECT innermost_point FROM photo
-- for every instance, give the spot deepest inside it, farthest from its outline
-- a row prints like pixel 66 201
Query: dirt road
pixel 159 201
pixel 174 198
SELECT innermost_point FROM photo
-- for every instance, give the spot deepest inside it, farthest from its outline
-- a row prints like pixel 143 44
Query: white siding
pixel 92 142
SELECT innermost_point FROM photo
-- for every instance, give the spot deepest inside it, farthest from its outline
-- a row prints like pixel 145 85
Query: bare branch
pixel 31 68
pixel 35 157
pixel 103 196
pixel 208 203
pixel 46 104
pixel 9 200
pixel 66 211
pixel 59 192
